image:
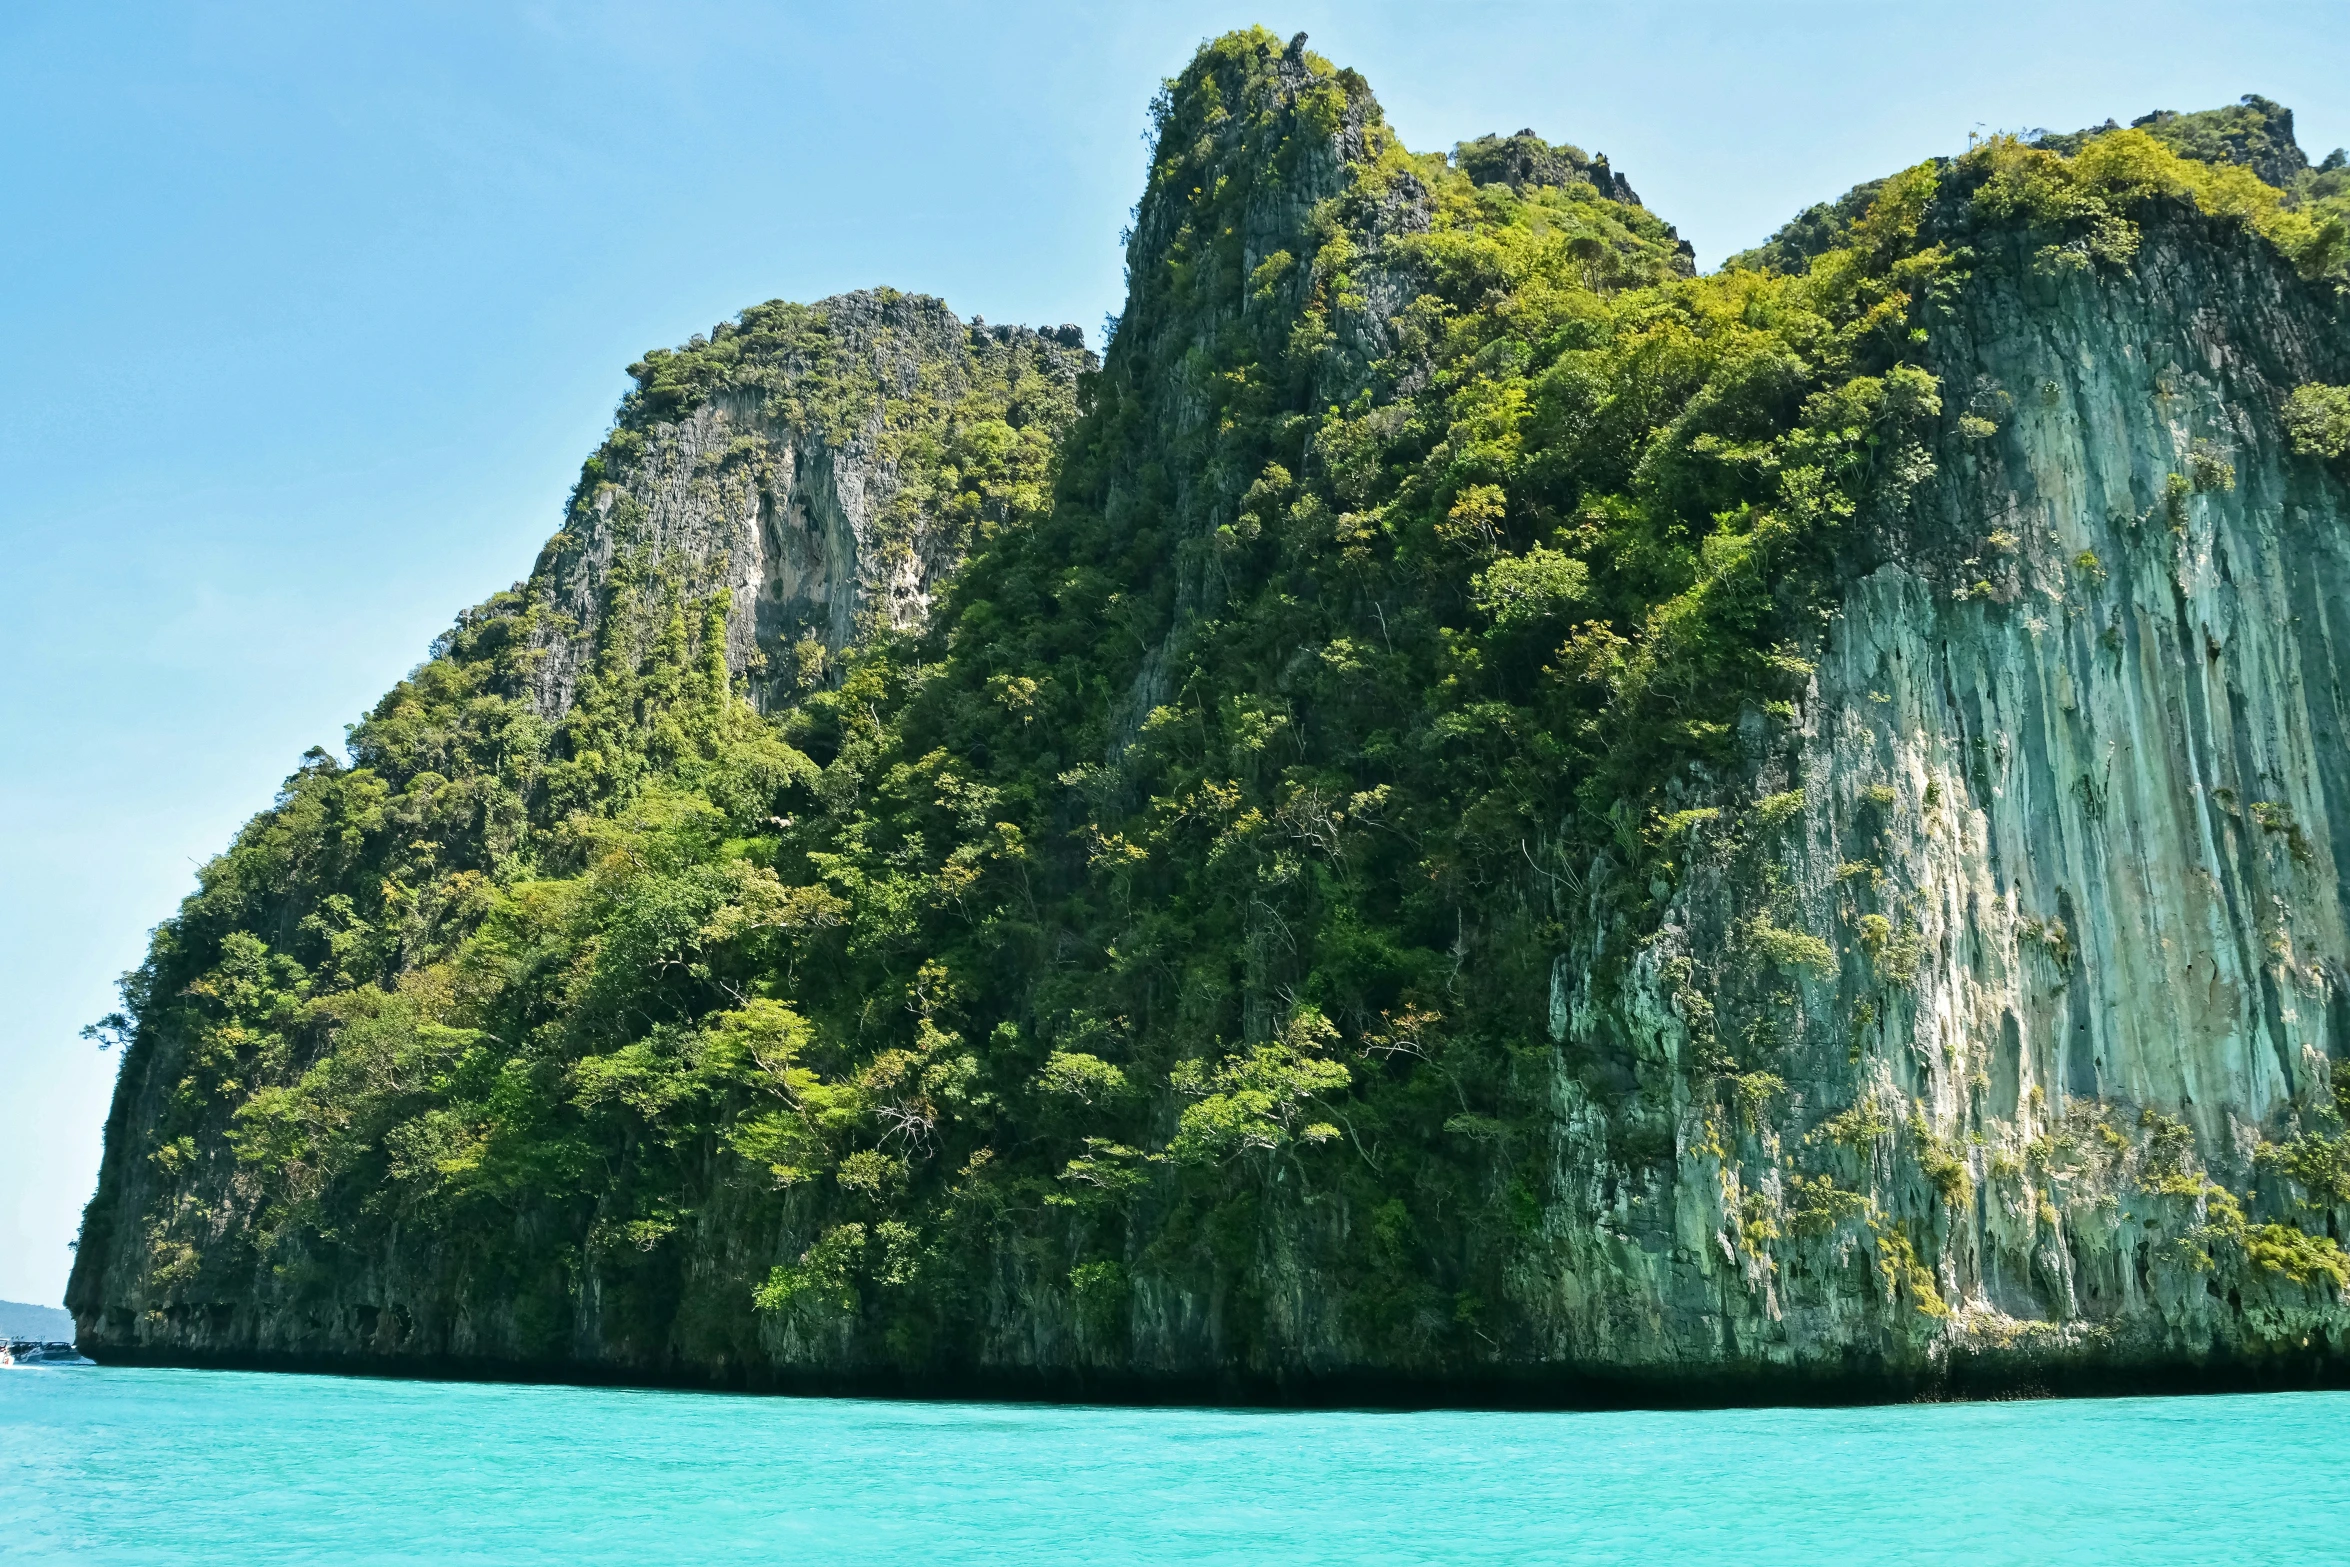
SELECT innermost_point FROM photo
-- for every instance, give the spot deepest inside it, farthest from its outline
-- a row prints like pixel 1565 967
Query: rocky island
pixel 1466 815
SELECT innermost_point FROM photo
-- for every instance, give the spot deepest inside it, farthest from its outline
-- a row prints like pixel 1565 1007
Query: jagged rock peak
pixel 1525 159
pixel 826 465
pixel 2253 132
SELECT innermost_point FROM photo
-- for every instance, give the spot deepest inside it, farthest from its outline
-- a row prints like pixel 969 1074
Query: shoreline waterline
pixel 1536 1389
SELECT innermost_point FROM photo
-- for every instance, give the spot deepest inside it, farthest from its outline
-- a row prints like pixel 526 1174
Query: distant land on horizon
pixel 49 1324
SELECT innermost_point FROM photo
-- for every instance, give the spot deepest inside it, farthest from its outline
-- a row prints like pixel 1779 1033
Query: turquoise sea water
pixel 162 1467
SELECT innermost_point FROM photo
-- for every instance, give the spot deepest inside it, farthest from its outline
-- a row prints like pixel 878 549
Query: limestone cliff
pixel 1471 816
pixel 2068 807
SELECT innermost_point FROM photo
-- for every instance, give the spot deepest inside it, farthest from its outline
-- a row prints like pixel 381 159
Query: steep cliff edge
pixel 1515 823
pixel 2063 803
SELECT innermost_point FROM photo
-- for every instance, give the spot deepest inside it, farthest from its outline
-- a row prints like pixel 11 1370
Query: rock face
pixel 790 460
pixel 1111 998
pixel 2072 795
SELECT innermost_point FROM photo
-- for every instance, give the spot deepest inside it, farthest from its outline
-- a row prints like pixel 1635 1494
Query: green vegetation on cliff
pixel 1416 593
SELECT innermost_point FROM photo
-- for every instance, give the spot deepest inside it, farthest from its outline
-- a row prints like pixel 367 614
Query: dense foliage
pixel 1428 555
pixel 2255 133
pixel 2240 160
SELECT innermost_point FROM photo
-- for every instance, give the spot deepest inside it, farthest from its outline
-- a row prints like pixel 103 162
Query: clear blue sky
pixel 310 312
